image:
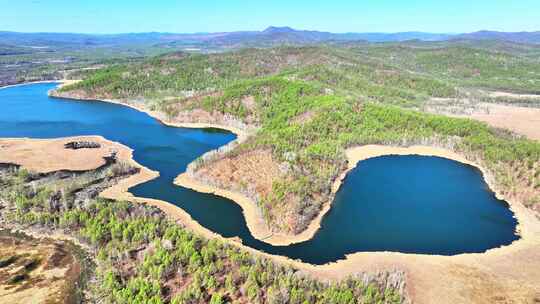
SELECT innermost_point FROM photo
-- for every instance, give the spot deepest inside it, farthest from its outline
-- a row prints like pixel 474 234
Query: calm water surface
pixel 411 204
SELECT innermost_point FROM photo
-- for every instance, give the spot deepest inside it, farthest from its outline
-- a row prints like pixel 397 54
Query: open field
pixel 524 121
pixel 518 113
pixel 44 156
pixel 38 270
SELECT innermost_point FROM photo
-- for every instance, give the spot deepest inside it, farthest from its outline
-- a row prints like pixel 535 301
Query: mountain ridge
pixel 272 35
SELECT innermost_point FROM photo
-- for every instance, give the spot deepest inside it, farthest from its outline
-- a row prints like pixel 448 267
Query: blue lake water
pixel 410 204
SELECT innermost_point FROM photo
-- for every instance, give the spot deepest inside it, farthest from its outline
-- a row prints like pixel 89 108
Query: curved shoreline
pixel 430 278
pixel 159 116
pixel 357 154
pixel 257 226
pixel 63 82
pixel 28 83
pixel 426 274
pixel 254 221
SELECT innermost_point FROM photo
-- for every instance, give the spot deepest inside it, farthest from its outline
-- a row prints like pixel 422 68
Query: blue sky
pixel 118 16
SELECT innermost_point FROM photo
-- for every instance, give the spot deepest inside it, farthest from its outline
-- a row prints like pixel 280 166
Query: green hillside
pixel 311 103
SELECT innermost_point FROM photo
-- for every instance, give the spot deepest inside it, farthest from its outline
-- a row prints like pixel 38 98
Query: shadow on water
pixel 410 204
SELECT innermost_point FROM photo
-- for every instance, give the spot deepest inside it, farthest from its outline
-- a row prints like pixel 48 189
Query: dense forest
pixel 143 257
pixel 309 104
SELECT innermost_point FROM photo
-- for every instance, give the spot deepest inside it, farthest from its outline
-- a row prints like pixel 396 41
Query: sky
pixel 188 16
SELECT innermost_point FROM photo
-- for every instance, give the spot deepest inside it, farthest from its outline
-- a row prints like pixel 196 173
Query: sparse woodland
pixel 142 257
pixel 311 103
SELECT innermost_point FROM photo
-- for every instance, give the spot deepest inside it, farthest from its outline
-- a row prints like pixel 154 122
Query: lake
pixel 409 204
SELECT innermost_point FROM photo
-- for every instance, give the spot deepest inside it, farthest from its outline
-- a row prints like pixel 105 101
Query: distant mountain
pixel 288 34
pixel 389 37
pixel 13 50
pixel 520 37
pixel 271 36
pixel 278 30
pixel 74 39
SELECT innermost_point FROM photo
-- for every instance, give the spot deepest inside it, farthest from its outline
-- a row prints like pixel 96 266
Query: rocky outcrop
pixel 75 145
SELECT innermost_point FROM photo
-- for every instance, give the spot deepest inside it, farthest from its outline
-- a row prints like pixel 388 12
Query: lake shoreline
pixel 28 83
pixel 355 155
pixel 356 262
pixel 254 220
pixel 428 277
pixel 241 134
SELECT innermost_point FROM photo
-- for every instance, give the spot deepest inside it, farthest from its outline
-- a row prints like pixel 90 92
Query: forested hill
pixel 311 103
pixel 397 73
pixel 520 37
pixel 28 57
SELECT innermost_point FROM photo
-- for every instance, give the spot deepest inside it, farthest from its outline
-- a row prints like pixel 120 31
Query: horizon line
pixel 260 31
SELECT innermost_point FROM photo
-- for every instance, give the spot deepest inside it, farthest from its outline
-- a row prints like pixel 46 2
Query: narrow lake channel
pixel 410 204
